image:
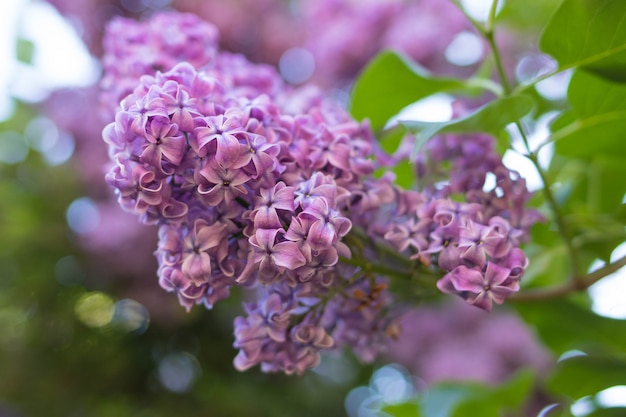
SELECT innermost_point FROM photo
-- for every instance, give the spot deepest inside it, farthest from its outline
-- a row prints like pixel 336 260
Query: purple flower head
pixel 139 189
pixel 196 261
pixel 166 146
pixel 477 241
pixel 182 108
pixel 273 255
pixel 266 214
pixel 223 138
pixel 217 184
pixel 480 288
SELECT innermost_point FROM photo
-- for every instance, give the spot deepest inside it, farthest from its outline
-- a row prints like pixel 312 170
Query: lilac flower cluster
pixel 246 193
pixel 443 337
pixel 256 185
pixel 475 241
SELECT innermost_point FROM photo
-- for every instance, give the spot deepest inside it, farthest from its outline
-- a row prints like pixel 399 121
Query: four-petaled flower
pixel 480 288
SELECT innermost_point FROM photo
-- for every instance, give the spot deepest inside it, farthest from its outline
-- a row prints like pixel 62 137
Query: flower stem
pixel 564 231
pixel 577 283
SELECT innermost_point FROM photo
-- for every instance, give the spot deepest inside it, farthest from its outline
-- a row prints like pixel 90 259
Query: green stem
pixel 490 35
pixel 474 23
pixel 558 215
pixel 378 268
pixel 523 87
pixel 576 283
pixel 554 206
pixel 485 84
pixel 492 16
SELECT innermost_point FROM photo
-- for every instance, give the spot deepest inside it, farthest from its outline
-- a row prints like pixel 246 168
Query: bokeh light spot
pixel 131 316
pixel 68 272
pixel 82 215
pixel 465 49
pixel 13 148
pixel 42 134
pixel 612 397
pixel 95 309
pixel 296 65
pixel 62 150
pixel 178 371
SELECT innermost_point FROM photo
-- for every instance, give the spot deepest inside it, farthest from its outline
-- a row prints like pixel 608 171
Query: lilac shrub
pixel 254 184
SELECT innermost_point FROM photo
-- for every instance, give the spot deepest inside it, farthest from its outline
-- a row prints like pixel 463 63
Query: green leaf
pixel 563 326
pixel 460 399
pixel 548 265
pixel 586 375
pixel 589 34
pixel 491 118
pixel 527 16
pixel 391 82
pixel 598 114
pixel 608 412
pixel 445 397
pixel 408 409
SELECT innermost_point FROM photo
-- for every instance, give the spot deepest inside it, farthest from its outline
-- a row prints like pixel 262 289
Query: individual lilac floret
pixel 478 287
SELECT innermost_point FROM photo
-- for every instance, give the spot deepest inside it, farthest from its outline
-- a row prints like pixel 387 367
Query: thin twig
pixel 573 285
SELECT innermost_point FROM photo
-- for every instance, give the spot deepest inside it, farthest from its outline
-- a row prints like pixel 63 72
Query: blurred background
pixel 85 329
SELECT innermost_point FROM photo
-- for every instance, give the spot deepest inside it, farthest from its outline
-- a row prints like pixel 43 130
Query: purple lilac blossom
pixel 343 35
pixel 245 193
pixel 255 184
pixel 443 337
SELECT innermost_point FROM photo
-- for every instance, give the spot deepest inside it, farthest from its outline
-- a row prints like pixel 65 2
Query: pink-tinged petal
pixel 445 284
pixel 499 294
pixel 173 148
pixel 228 150
pixel 288 255
pixel 194 292
pixel 197 267
pixel 342 225
pixel 327 257
pixel 242 362
pixel 466 279
pixel 322 235
pixel 283 198
pixel 151 155
pixel 496 274
pixel 266 218
pixel 277 334
pixel 343 250
pixel 264 239
pixel 475 255
pixel 173 280
pixel 516 261
pixel 173 210
pixel 246 331
pixel 481 300
pixel 204 137
pixel 339 156
pixel 449 257
pixel 209 236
